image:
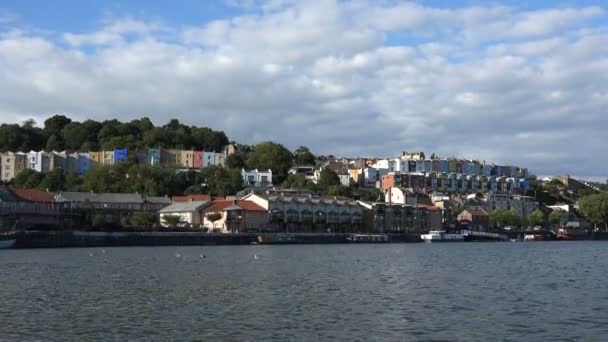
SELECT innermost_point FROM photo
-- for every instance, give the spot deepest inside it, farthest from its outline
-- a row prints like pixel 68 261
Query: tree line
pixel 61 133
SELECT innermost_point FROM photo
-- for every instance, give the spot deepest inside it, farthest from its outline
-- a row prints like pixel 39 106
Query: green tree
pixel 328 178
pixel 555 217
pixel 142 220
pixel 54 124
pixel 28 179
pixel 371 195
pixel 295 181
pixel 537 218
pixel 235 161
pixel 73 182
pixel 338 190
pixel 172 220
pixel 53 180
pixel 221 182
pixel 497 217
pixel 55 143
pixel 303 156
pixel 595 208
pixel 511 218
pixel 32 137
pixel 273 156
pixel 75 135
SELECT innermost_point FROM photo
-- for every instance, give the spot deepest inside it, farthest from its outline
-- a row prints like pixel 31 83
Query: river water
pixel 541 291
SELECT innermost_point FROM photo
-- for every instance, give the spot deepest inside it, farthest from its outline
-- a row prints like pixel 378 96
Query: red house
pixel 197 162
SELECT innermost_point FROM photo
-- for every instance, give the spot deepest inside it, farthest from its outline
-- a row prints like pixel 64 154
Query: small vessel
pixel 7 240
pixel 442 236
pixel 572 234
pixel 368 238
pixel 275 239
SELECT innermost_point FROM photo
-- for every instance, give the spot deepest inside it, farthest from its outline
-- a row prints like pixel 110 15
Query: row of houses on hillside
pixel 455 183
pixel 12 163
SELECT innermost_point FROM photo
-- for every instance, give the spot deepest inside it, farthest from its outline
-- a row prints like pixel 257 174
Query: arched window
pixel 345 217
pixel 332 217
pixel 292 216
pixel 320 217
pixel 307 216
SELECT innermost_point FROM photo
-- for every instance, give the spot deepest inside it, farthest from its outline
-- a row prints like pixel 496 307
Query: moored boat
pixel 7 240
pixel 368 238
pixel 442 236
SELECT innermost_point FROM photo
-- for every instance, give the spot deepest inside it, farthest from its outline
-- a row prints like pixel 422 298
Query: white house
pixel 39 161
pixel 190 213
pixel 255 178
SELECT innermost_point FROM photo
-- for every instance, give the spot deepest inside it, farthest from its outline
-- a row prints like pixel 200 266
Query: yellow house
pixel 108 157
pixel 96 159
pixel 187 159
pixel 12 164
pixel 171 157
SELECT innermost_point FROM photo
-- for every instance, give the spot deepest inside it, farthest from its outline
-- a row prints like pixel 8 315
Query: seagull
pixel 255 257
pixel 177 255
pixel 203 256
pixel 91 254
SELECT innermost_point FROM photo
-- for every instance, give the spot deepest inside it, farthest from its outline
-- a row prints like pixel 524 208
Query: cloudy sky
pixel 497 81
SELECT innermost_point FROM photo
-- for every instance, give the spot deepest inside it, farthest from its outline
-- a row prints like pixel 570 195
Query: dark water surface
pixel 543 291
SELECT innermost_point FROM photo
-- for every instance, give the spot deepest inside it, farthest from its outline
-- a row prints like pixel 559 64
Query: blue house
pixel 154 156
pixel 420 166
pixel 444 166
pixel 208 159
pixel 120 154
pixel 84 163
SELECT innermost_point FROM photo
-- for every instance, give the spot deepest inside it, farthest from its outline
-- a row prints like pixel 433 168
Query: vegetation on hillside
pixel 61 133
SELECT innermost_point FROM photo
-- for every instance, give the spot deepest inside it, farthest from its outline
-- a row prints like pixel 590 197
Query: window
pixel 292 216
pixel 307 216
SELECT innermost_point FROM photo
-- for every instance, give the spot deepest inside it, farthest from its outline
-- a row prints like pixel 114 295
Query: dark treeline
pixel 61 133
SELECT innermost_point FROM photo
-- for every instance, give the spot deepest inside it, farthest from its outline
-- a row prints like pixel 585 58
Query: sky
pixel 510 82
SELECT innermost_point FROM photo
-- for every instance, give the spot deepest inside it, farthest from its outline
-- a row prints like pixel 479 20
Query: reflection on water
pixel 467 291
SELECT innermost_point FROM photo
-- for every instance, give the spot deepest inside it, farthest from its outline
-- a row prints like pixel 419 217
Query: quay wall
pixel 64 239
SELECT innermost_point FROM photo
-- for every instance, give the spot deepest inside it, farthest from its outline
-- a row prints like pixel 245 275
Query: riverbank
pixel 65 239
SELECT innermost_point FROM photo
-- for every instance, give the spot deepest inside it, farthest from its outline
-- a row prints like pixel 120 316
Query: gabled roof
pixel 33 195
pixel 477 212
pixel 158 199
pixel 92 197
pixel 184 207
pixel 190 198
pixel 223 205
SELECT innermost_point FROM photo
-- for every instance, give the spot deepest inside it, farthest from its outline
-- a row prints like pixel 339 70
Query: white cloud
pixel 356 78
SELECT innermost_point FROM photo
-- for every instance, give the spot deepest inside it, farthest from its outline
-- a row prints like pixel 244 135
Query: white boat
pixel 368 238
pixel 7 240
pixel 442 236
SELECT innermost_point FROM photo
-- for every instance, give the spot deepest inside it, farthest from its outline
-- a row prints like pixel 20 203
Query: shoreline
pixel 80 239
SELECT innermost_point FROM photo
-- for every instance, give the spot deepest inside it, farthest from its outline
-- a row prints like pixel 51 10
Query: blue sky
pixel 517 82
pixel 77 15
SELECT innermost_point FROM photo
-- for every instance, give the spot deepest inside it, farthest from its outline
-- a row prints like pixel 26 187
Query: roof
pixel 33 195
pixel 223 205
pixel 181 207
pixel 476 212
pixel 429 207
pixel 158 199
pixel 68 196
pixel 190 198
